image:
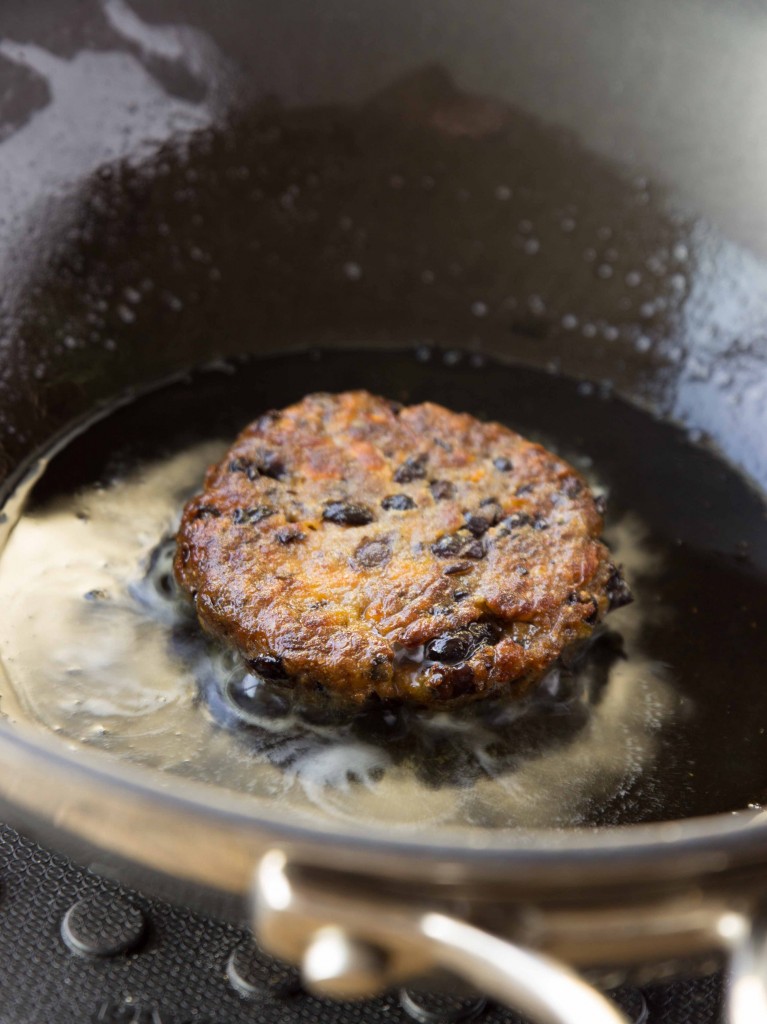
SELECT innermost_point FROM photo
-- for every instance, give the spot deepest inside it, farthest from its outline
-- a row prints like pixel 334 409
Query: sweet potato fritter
pixel 352 545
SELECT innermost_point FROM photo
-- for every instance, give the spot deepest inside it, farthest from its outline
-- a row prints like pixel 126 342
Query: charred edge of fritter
pixel 450 686
pixel 321 703
pixel 452 679
pixel 618 591
pixel 447 658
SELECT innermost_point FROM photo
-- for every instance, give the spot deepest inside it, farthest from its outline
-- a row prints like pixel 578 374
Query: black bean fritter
pixel 350 545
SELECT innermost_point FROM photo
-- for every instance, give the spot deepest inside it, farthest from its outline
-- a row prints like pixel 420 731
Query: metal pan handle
pixel 747 988
pixel 351 946
pixel 533 984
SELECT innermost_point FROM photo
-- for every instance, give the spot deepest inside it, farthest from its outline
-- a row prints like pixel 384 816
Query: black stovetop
pixel 78 949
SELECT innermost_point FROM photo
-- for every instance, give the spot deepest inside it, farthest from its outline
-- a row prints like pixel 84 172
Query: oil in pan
pixel 99 647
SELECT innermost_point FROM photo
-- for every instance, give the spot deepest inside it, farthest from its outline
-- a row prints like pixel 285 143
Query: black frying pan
pixel 441 221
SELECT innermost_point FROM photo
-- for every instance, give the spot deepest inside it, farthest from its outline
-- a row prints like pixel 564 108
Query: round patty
pixel 353 545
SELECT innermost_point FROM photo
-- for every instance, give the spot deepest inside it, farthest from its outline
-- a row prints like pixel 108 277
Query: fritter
pixel 350 545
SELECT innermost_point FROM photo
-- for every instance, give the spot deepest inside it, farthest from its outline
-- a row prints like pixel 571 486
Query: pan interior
pixel 664 719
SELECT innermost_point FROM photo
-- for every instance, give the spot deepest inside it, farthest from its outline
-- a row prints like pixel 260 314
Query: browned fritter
pixel 352 545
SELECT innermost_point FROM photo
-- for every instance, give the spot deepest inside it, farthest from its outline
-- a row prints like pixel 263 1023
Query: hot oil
pixel 665 717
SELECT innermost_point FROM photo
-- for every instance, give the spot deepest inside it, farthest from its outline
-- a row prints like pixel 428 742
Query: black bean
pixel 268 666
pixel 413 468
pixel 252 515
pixel 618 591
pixel 459 595
pixel 289 535
pixel 266 463
pixel 503 464
pixel 461 643
pixel 459 544
pixel 448 546
pixel 457 569
pixel 540 522
pixel 476 523
pixel 207 512
pixel 397 503
pixel 474 550
pixel 524 489
pixel 450 647
pixel 572 487
pixel 600 503
pixel 370 553
pixel 240 465
pixel 346 513
pixel 444 445
pixel 270 464
pixel 517 520
pixel 442 490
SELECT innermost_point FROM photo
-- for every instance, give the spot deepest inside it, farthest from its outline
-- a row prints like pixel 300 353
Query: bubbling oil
pixel 99 646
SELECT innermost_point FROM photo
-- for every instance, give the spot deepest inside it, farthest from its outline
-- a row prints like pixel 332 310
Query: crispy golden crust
pixel 350 544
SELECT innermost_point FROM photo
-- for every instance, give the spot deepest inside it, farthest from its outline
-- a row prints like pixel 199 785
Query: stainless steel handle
pixel 349 945
pixel 747 989
pixel 533 984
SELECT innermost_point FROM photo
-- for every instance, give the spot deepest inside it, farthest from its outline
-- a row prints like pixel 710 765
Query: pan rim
pixel 729 836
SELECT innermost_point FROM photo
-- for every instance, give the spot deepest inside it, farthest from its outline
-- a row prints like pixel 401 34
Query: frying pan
pixel 626 140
